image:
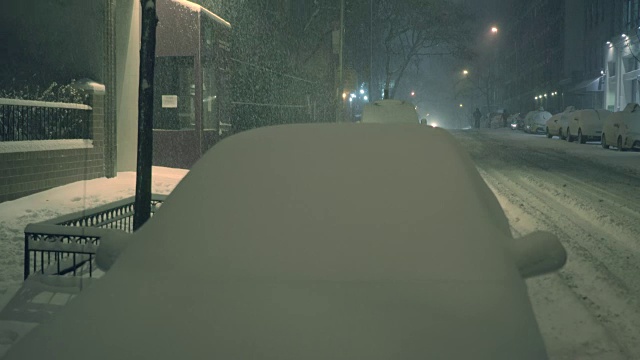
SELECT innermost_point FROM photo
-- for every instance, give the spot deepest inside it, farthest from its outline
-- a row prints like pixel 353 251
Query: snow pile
pixel 311 242
pixel 16 215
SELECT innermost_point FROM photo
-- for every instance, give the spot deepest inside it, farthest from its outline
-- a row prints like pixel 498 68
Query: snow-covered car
pixel 494 119
pixel 536 121
pixel 316 241
pixel 389 111
pixel 585 125
pixel 622 129
pixel 558 122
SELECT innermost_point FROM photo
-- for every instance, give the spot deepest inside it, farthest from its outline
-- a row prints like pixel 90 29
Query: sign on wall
pixel 169 101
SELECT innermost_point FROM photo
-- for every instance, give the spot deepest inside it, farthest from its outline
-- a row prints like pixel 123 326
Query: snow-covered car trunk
pixel 536 121
pixel 585 125
pixel 622 128
pixel 558 122
pixel 322 241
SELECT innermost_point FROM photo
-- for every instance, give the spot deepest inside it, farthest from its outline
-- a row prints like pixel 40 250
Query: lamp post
pixel 340 89
pixel 494 31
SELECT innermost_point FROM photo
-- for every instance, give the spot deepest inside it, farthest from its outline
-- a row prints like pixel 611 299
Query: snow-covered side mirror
pixel 111 246
pixel 538 253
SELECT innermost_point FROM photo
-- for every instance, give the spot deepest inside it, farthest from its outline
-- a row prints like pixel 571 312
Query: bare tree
pixel 411 30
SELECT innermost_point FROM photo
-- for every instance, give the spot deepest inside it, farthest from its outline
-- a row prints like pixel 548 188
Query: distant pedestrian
pixel 505 117
pixel 477 115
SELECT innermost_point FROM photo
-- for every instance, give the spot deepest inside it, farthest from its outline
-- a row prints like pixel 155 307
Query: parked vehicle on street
pixel 516 121
pixel 536 121
pixel 622 129
pixel 389 111
pixel 585 125
pixel 558 122
pixel 329 241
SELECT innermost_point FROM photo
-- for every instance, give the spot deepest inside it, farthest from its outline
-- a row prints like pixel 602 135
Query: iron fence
pixel 67 245
pixel 22 120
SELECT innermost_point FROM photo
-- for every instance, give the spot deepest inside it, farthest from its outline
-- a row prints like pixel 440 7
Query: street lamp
pixel 494 29
pixel 465 72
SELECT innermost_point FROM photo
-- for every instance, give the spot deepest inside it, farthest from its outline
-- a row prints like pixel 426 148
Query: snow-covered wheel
pixel 581 139
pixel 603 142
pixel 619 144
pixel 549 136
pixel 569 137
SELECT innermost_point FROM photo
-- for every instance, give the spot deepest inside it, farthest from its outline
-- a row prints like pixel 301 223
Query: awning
pixel 592 85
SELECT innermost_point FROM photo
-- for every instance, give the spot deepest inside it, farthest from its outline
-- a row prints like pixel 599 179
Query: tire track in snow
pixel 593 285
pixel 598 287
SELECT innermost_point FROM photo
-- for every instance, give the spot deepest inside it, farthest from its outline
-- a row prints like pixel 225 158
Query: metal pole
pixel 110 120
pixel 371 47
pixel 519 99
pixel 339 110
pixel 142 205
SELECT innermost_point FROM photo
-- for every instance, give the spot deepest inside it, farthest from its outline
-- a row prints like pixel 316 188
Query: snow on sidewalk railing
pixel 63 245
pixel 23 120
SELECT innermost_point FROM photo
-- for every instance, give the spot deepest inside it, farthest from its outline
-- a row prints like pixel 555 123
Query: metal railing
pixel 67 245
pixel 22 120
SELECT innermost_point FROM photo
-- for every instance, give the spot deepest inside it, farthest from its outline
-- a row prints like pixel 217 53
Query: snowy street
pixel 589 198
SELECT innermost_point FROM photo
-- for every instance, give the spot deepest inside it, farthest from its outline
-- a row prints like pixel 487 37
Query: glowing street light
pixel 494 29
pixel 461 105
pixel 465 72
pixel 413 93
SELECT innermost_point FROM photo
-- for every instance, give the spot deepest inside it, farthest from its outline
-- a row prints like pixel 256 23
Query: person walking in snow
pixel 505 117
pixel 477 115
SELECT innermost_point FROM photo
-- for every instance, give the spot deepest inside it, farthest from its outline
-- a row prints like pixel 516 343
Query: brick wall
pixel 25 173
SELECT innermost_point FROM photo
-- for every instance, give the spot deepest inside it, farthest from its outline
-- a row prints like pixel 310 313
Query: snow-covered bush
pixel 32 123
pixel 54 93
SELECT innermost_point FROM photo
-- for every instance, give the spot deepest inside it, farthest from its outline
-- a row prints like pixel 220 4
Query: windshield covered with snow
pixel 314 116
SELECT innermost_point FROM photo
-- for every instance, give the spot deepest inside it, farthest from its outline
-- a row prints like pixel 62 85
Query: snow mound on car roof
pixel 390 112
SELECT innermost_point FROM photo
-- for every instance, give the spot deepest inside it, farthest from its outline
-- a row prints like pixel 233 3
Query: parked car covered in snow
pixel 558 122
pixel 585 125
pixel 389 111
pixel 315 241
pixel 496 119
pixel 622 129
pixel 536 121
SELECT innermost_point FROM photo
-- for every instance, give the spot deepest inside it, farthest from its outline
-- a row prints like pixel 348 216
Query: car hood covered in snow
pixel 335 241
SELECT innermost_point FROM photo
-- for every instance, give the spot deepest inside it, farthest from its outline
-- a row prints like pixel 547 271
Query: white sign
pixel 170 101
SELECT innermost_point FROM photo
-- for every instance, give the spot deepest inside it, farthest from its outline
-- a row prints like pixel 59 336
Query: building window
pixel 612 68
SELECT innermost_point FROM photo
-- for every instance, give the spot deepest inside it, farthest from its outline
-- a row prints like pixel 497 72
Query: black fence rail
pixel 22 120
pixel 67 245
